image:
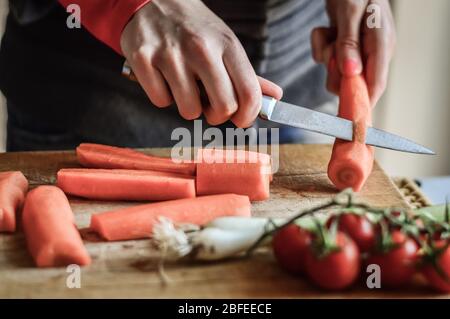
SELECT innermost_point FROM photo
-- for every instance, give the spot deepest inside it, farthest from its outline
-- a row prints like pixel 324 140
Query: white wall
pixel 417 102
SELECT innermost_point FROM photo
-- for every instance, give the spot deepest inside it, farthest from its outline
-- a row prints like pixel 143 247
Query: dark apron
pixel 64 87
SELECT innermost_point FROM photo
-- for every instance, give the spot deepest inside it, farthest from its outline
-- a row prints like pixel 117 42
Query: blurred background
pixel 417 101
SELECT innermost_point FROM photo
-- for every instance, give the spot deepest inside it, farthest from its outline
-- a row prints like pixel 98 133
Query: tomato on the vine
pixel 437 270
pixel 398 264
pixel 358 228
pixel 290 245
pixel 339 268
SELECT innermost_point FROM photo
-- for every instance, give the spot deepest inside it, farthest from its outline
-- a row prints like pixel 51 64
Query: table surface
pixel 130 268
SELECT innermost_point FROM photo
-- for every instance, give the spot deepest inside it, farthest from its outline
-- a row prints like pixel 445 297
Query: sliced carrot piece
pixel 48 223
pixel 138 221
pixel 120 184
pixel 238 172
pixel 351 162
pixel 105 156
pixel 13 188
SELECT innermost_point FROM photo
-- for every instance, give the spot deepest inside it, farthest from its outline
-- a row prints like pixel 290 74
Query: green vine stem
pixel 386 217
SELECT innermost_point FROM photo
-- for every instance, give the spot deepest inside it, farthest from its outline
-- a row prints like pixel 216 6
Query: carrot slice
pixel 13 188
pixel 52 237
pixel 104 156
pixel 138 221
pixel 351 162
pixel 238 172
pixel 120 184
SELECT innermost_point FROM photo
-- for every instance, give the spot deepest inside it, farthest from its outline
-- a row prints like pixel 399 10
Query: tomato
pixel 290 245
pixel 433 277
pixel 338 269
pixel 399 264
pixel 358 228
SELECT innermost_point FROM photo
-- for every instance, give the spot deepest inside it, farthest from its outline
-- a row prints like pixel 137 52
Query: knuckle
pixel 196 42
pixel 162 57
pixel 198 46
pixel 348 43
pixel 251 96
pixel 230 40
pixel 140 56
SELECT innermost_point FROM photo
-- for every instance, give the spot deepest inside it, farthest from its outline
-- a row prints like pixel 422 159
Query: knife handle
pixel 267 105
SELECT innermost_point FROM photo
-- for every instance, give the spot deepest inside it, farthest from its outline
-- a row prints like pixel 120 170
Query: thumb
pixel 348 38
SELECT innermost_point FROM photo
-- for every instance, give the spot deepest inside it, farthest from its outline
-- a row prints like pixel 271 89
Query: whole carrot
pixel 48 223
pixel 351 162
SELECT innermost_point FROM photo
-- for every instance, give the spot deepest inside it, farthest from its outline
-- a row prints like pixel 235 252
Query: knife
pixel 315 121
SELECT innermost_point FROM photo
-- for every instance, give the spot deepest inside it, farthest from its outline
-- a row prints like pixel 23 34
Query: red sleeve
pixel 106 19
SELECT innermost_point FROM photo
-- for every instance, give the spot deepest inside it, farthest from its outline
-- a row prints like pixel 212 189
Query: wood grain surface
pixel 130 268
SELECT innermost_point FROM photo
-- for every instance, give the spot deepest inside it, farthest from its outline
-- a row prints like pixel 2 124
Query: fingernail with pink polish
pixel 350 67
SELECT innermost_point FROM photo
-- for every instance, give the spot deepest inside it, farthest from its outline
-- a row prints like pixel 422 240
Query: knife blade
pixel 315 121
pixel 307 119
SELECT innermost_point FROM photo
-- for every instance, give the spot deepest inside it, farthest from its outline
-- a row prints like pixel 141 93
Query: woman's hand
pixel 172 44
pixel 353 44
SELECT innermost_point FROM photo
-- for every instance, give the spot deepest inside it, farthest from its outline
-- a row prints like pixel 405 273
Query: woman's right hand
pixel 171 44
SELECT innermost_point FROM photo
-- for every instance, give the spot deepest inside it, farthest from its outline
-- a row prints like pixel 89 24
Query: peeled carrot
pixel 238 172
pixel 138 221
pixel 104 156
pixel 120 184
pixel 13 188
pixel 52 237
pixel 351 162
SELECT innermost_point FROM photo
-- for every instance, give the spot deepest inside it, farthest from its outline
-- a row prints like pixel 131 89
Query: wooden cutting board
pixel 130 268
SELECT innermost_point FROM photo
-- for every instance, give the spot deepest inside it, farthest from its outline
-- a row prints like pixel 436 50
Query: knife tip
pixel 426 151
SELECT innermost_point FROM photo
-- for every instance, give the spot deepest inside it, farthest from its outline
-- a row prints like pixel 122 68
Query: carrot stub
pixel 13 188
pixel 351 162
pixel 138 221
pixel 120 184
pixel 104 156
pixel 233 171
pixel 48 223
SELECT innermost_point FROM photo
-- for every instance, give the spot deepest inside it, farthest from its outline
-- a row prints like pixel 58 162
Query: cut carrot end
pixel 233 171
